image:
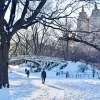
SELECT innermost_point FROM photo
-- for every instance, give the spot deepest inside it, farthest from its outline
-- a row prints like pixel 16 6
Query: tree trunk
pixel 4 50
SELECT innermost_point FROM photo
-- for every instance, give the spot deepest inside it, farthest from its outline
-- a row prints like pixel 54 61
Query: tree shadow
pixel 5 94
pixel 55 87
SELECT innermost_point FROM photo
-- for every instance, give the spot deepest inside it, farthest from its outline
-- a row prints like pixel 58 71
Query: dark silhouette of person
pixel 57 73
pixel 28 73
pixel 25 71
pixel 67 74
pixel 93 73
pixel 43 76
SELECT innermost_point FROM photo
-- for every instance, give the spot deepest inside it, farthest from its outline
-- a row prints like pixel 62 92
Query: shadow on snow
pixel 55 87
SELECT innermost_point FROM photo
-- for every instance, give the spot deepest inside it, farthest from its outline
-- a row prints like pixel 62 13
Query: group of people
pixel 62 73
pixel 43 75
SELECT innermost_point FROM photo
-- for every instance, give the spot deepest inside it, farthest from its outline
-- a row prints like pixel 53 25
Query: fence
pixel 79 76
pixel 83 76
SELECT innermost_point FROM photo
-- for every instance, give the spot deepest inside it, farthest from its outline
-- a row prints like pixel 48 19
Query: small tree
pixel 82 68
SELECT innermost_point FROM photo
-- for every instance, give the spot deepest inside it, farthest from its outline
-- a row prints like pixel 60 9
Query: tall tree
pixel 29 14
pixel 9 28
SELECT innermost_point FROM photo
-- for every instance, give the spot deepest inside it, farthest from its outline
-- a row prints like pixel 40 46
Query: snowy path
pixel 23 88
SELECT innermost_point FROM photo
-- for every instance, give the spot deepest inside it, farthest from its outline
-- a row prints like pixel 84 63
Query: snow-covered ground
pixel 55 88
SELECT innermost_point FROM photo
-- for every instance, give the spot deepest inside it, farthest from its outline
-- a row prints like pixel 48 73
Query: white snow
pixel 11 29
pixel 6 2
pixel 5 29
pixel 55 88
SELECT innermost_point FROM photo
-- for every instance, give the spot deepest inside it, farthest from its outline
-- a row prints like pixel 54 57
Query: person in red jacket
pixel 43 76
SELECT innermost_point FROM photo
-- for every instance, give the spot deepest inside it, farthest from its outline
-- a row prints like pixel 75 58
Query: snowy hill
pixel 74 68
pixel 78 69
pixel 56 87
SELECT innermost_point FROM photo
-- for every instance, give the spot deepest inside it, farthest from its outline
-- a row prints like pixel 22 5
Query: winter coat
pixel 43 74
pixel 28 72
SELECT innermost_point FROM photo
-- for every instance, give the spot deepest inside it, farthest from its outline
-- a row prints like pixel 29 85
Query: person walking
pixel 25 71
pixel 28 73
pixel 67 74
pixel 43 76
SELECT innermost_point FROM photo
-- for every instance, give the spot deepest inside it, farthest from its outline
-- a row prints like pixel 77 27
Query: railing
pixel 83 76
pixel 36 58
pixel 79 76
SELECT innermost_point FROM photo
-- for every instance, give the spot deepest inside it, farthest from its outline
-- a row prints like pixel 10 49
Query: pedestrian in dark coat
pixel 25 71
pixel 28 73
pixel 43 76
pixel 67 74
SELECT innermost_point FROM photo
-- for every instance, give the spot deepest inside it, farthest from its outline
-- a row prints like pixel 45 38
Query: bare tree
pixel 24 13
pixel 8 29
pixel 39 37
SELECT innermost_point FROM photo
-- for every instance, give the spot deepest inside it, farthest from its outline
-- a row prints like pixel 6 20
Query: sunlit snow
pixel 55 88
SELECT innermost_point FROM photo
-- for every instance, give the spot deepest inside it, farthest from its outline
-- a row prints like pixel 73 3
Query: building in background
pixel 88 28
pixel 87 24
